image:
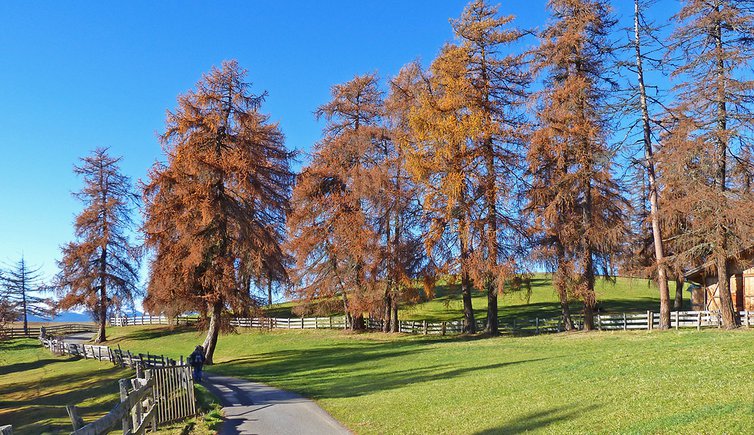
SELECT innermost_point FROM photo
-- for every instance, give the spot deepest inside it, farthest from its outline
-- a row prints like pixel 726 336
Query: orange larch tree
pixel 215 212
pixel 100 270
pixel 573 193
pixel 711 135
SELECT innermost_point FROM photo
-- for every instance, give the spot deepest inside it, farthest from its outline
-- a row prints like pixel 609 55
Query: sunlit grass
pixel 621 382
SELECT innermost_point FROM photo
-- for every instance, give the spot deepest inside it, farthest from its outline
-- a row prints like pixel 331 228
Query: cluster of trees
pixel 491 159
pixel 495 155
pixel 21 289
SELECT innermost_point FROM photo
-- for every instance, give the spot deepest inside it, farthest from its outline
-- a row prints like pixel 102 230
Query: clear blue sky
pixel 77 75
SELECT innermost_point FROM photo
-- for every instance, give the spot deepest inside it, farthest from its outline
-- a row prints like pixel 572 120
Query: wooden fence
pixel 150 320
pixel 163 390
pixel 34 331
pixel 538 325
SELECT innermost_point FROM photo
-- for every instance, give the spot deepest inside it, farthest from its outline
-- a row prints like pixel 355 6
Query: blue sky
pixel 77 75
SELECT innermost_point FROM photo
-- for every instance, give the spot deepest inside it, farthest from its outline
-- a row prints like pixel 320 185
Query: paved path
pixel 79 338
pixel 254 408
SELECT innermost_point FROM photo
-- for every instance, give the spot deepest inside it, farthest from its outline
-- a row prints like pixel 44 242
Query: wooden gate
pixel 173 392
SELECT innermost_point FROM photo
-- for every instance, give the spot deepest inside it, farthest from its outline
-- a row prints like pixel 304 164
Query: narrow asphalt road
pixel 254 408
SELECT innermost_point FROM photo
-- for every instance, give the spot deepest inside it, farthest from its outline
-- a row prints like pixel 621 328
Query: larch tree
pixel 711 133
pixel 99 271
pixel 495 94
pixel 20 286
pixel 573 192
pixel 215 212
pixel 332 229
pixel 440 158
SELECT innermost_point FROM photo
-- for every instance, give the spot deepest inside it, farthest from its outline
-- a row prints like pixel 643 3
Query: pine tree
pixel 573 194
pixel 21 285
pixel 100 270
pixel 215 213
pixel 711 130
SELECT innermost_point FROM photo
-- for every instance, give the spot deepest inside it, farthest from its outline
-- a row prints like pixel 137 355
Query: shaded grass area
pixel 621 295
pixel 35 386
pixel 621 382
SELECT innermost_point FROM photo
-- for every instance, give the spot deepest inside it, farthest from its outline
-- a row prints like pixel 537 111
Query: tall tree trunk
pixel 23 296
pixel 101 337
pixel 649 164
pixel 469 324
pixel 730 320
pixel 560 285
pixel 210 342
pixel 492 320
pixel 588 261
pixel 678 303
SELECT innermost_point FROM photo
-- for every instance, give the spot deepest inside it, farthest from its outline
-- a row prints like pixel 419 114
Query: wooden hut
pixel 705 295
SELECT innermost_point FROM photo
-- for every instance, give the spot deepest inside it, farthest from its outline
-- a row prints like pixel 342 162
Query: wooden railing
pixel 163 390
pixel 537 325
pixel 34 331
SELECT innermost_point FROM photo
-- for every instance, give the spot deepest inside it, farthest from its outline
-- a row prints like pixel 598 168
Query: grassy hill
pixel 622 295
pixel 621 382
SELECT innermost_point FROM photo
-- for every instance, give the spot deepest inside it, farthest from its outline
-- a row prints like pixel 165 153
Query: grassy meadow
pixel 621 295
pixel 35 387
pixel 601 382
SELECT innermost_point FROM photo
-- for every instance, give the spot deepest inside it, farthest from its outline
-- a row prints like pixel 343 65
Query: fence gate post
pixel 123 384
pixel 699 321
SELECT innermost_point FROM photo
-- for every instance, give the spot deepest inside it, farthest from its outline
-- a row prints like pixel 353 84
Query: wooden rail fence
pixel 34 331
pixel 538 325
pixel 162 392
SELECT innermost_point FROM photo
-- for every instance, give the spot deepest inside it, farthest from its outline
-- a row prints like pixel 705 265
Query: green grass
pixel 621 382
pixel 623 295
pixel 35 386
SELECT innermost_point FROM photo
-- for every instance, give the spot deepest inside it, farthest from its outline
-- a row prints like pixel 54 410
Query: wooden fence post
pixel 650 320
pixel 536 322
pixel 330 322
pixel 625 322
pixel 599 322
pixel 443 327
pixel 424 326
pixel 123 384
pixel 676 320
pixel 699 321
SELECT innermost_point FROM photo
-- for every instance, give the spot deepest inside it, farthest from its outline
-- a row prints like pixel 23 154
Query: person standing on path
pixel 196 360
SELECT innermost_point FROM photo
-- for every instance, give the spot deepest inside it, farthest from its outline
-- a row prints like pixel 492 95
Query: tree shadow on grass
pixel 537 420
pixel 14 345
pixel 23 366
pixel 346 371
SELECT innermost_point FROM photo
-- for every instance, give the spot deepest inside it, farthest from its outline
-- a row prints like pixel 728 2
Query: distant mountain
pixel 65 316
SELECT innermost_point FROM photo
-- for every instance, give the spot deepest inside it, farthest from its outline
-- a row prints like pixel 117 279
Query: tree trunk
pixel 662 277
pixel 269 288
pixel 492 320
pixel 387 311
pixel 559 282
pixel 730 320
pixel 678 304
pixel 210 342
pixel 395 326
pixel 23 296
pixel 469 324
pixel 358 323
